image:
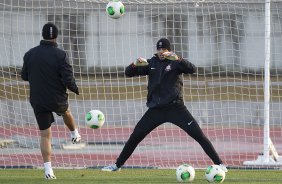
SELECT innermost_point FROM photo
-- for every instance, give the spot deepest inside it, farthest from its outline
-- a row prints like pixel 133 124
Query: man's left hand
pixel 170 56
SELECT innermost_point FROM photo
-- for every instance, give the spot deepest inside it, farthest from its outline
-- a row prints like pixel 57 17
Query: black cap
pixel 164 44
pixel 49 31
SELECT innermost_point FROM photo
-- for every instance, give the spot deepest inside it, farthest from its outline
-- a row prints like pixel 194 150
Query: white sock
pixel 47 166
pixel 74 133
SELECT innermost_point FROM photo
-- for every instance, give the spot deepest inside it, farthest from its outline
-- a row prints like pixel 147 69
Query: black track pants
pixel 175 113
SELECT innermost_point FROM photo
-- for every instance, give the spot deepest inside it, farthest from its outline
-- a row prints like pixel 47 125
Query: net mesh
pixel 223 38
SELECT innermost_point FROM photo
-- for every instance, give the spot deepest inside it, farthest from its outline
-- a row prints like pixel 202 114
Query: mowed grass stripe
pixel 136 176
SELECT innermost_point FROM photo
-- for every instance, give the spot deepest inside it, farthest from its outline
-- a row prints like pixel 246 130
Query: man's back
pixel 43 69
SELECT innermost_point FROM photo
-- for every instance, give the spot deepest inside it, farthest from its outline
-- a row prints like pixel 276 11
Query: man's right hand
pixel 141 62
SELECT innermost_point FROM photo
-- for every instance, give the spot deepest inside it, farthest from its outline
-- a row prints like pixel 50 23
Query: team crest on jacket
pixel 168 68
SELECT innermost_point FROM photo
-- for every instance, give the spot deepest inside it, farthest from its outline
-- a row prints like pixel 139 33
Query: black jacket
pixel 165 80
pixel 49 73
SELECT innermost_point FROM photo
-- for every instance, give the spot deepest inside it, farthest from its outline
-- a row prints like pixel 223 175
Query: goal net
pixel 225 39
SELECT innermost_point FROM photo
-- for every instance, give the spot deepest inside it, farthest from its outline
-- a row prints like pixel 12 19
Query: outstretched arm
pixel 140 67
pixel 184 66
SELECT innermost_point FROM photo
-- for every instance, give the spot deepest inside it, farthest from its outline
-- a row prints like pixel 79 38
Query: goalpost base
pixel 261 161
pixel 274 158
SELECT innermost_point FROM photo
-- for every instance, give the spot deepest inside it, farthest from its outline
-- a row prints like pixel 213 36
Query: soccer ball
pixel 94 119
pixel 215 174
pixel 185 173
pixel 115 9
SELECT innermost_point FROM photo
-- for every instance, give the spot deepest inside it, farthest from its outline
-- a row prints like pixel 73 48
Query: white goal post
pixel 270 155
pixel 235 95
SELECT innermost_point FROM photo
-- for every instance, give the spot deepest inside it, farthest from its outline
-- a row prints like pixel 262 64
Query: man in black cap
pixel 165 101
pixel 49 74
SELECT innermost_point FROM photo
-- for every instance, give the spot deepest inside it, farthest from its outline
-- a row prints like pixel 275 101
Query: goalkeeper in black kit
pixel 164 101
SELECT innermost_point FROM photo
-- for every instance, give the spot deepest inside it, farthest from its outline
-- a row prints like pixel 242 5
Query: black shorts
pixel 45 117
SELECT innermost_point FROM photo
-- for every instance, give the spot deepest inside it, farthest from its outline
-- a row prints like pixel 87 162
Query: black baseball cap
pixel 49 31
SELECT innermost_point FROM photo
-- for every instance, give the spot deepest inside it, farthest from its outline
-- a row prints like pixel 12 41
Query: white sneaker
pixel 75 139
pixel 111 168
pixel 49 174
pixel 223 167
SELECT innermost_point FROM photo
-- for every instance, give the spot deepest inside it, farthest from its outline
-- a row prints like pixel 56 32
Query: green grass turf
pixel 132 176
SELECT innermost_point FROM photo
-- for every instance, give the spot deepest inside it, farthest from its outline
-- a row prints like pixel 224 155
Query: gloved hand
pixel 170 56
pixel 141 62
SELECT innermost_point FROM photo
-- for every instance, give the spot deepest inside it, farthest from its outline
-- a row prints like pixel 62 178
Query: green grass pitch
pixel 131 176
